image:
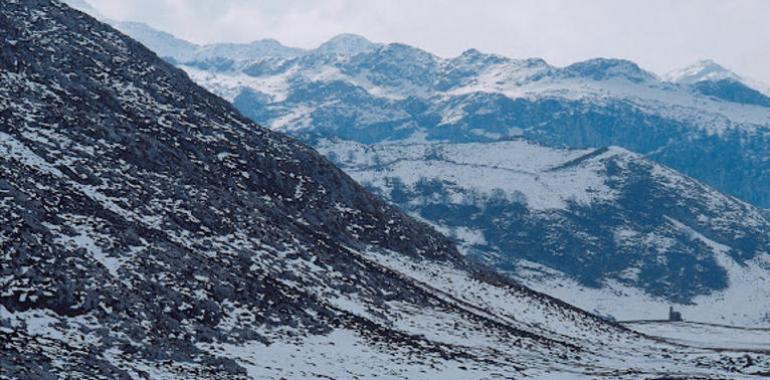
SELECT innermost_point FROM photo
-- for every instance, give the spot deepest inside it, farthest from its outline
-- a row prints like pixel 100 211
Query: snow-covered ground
pixel 513 168
pixel 712 336
pixel 341 354
pixel 743 303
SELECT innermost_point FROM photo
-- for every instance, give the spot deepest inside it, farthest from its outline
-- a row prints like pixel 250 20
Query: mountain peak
pixel 346 44
pixel 704 70
pixel 254 50
pixel 405 51
pixel 606 68
pixel 476 57
pixel 471 53
pixel 267 42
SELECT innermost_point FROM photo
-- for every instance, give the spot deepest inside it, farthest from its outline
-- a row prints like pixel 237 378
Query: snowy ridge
pixel 706 70
pixel 597 80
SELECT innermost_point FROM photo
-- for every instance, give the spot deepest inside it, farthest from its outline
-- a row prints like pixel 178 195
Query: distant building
pixel 674 316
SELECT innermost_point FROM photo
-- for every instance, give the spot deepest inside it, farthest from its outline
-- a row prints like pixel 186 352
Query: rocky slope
pixel 150 231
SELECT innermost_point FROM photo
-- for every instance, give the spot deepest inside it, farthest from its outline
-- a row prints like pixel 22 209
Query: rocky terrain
pixel 149 231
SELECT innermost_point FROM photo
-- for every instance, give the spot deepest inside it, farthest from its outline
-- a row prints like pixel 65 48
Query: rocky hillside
pixel 148 230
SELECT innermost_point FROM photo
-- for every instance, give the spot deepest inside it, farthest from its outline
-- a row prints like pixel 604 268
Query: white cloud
pixel 658 34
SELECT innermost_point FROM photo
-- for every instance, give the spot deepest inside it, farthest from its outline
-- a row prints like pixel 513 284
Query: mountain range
pixel 368 92
pixel 395 92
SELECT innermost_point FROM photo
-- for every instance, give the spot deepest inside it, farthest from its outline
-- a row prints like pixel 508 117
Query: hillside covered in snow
pixel 605 229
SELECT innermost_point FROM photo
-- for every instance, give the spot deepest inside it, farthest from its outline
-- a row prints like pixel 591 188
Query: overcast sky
pixel 658 34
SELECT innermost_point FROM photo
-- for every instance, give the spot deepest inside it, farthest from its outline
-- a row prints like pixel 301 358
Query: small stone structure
pixel 674 316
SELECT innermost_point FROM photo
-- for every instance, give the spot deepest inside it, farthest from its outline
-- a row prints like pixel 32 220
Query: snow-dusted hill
pixel 148 230
pixel 605 229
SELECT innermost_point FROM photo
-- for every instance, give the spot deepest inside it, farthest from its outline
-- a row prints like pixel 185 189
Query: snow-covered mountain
pixel 148 230
pixel 217 57
pixel 605 229
pixel 711 79
pixel 395 92
pixel 705 70
pixel 398 92
pixel 228 57
pixel 373 92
